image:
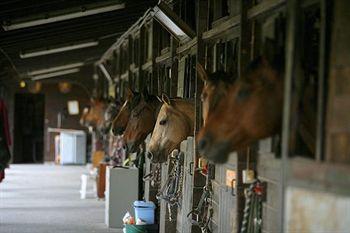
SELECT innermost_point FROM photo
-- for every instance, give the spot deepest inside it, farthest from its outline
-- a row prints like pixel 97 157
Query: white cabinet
pixel 73 147
pixel 121 192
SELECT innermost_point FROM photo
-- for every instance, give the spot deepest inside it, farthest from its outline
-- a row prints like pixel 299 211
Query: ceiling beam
pixel 55 74
pixel 99 30
pixel 65 48
pixel 82 13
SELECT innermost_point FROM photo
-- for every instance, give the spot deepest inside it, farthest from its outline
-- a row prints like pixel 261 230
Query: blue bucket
pixel 144 210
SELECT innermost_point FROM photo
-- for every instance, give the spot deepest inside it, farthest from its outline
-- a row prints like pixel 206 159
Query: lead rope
pixel 252 218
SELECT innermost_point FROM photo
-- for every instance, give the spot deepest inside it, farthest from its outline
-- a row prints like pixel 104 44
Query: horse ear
pixel 202 73
pixel 166 99
pixel 129 94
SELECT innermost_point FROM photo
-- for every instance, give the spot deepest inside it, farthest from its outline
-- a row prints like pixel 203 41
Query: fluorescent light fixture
pixel 56 68
pixel 105 72
pixel 55 74
pixel 172 22
pixel 58 50
pixel 63 17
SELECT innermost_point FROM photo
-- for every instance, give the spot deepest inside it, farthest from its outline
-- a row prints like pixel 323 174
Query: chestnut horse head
pixel 215 87
pixel 175 122
pixel 142 120
pixel 82 120
pixel 251 111
pixel 121 120
pixel 94 116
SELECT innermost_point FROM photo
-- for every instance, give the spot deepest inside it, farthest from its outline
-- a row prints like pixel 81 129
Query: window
pixel 73 107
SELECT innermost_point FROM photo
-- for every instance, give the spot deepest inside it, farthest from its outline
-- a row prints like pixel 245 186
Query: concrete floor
pixel 46 199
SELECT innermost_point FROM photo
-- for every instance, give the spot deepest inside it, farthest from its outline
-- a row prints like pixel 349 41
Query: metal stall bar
pixel 289 74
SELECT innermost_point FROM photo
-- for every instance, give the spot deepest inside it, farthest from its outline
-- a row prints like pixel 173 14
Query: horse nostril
pixel 150 155
pixel 114 132
pixel 202 143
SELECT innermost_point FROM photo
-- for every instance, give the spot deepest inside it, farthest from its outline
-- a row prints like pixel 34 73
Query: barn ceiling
pixel 101 27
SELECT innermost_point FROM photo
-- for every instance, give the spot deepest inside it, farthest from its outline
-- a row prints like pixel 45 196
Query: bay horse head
pixel 252 110
pixel 94 116
pixel 120 122
pixel 215 87
pixel 175 122
pixel 141 121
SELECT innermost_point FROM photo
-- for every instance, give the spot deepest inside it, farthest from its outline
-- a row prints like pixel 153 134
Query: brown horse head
pixel 215 87
pixel 251 111
pixel 95 115
pixel 142 120
pixel 121 120
pixel 109 114
pixel 175 122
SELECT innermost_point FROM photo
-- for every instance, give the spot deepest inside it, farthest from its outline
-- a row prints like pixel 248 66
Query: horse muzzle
pixel 216 152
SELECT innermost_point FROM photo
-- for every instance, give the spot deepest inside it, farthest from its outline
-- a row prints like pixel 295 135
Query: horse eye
pixel 162 122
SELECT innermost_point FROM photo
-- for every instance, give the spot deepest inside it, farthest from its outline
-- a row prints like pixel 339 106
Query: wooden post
pixel 338 115
pixel 198 180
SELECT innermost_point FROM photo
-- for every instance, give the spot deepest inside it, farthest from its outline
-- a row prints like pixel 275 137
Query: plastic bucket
pixel 144 210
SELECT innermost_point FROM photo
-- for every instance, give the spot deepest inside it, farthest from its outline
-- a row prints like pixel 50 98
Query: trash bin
pixel 144 210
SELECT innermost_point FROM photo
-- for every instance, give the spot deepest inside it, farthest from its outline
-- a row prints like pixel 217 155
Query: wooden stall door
pixel 317 195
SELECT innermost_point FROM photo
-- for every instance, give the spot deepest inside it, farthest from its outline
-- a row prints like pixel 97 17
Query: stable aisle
pixel 46 199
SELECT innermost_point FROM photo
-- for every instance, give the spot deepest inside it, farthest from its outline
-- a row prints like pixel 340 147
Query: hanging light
pixel 64 87
pixel 22 84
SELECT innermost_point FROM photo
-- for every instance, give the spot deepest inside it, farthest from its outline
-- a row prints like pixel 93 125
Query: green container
pixel 141 228
pixel 135 229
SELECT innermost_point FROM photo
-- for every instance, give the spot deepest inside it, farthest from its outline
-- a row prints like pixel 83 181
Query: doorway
pixel 29 128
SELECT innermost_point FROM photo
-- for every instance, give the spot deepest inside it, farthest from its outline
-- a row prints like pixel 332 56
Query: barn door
pixel 29 128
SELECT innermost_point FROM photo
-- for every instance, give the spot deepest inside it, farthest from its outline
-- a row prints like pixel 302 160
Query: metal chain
pixel 203 213
pixel 154 176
